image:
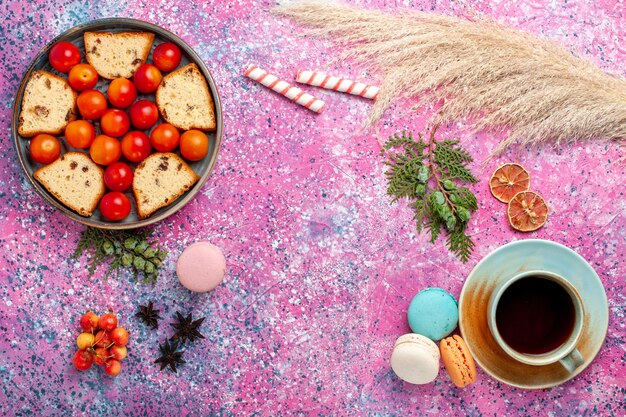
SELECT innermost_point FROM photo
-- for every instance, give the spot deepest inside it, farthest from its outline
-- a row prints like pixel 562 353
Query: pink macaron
pixel 201 267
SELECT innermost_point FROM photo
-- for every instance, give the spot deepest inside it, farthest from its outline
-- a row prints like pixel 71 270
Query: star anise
pixel 169 355
pixel 187 328
pixel 149 315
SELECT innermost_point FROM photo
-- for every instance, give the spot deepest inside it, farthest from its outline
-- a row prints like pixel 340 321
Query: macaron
pixel 458 361
pixel 201 267
pixel 415 359
pixel 434 313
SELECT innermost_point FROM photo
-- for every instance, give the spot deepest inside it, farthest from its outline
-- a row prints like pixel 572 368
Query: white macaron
pixel 415 359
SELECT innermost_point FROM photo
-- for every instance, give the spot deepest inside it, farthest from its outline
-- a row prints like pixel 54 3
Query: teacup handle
pixel 572 361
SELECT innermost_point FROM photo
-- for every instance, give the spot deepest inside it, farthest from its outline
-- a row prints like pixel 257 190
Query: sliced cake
pixel 48 105
pixel 75 180
pixel 185 101
pixel 116 55
pixel 159 180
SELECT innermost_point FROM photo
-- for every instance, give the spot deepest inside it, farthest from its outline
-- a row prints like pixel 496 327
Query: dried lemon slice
pixel 509 180
pixel 527 211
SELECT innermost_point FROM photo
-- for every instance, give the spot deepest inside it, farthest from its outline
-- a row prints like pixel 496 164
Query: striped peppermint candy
pixel 282 87
pixel 320 79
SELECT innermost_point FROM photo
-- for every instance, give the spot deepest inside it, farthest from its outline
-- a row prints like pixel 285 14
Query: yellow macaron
pixel 458 361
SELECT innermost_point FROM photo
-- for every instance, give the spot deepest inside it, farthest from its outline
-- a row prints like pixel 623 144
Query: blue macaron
pixel 434 313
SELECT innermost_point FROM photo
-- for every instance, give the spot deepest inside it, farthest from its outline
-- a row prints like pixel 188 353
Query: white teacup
pixel 521 321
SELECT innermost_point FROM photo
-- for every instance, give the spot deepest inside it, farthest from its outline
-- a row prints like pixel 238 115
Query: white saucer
pixel 509 260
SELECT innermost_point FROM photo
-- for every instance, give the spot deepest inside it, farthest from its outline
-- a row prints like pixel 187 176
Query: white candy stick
pixel 282 87
pixel 320 79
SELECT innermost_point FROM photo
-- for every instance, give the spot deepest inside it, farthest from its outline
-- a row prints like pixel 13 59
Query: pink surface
pixel 321 266
pixel 201 267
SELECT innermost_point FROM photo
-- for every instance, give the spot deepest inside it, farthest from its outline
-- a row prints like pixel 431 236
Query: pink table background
pixel 321 267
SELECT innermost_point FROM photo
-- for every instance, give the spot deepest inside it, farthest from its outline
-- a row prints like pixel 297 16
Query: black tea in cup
pixel 535 315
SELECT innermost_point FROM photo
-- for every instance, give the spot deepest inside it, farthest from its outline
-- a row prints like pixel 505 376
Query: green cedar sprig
pixel 431 174
pixel 131 249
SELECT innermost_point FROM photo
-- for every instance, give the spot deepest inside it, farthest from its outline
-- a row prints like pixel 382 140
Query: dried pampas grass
pixel 495 75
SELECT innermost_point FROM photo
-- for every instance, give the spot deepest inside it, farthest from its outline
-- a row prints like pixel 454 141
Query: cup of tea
pixel 537 318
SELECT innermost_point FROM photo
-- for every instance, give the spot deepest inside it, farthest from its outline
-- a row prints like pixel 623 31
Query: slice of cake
pixel 159 180
pixel 48 105
pixel 185 101
pixel 116 55
pixel 75 180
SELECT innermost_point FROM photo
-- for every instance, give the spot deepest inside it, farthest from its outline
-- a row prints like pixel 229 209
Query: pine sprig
pixel 420 210
pixel 459 243
pixel 121 249
pixel 464 197
pixel 402 184
pixel 452 159
pixel 431 174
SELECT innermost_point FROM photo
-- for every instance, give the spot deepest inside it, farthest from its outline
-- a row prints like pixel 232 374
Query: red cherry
pixel 108 322
pixel 89 322
pixel 63 56
pixel 166 56
pixel 118 176
pixel 82 360
pixel 143 114
pixel 112 367
pixel 147 78
pixel 119 335
pixel 118 352
pixel 101 356
pixel 103 339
